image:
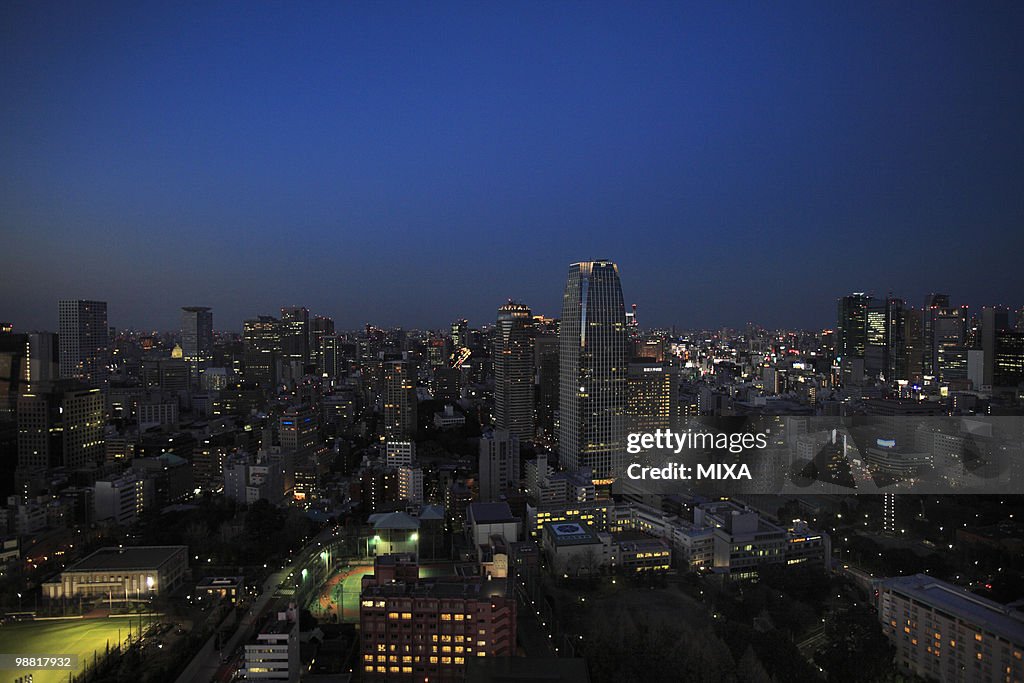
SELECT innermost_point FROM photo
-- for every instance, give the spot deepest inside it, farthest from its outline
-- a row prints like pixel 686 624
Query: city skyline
pixel 403 167
pixel 828 320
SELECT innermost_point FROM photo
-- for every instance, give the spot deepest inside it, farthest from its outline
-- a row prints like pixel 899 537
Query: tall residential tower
pixel 513 371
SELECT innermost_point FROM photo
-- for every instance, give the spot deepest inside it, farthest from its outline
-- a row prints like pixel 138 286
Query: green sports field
pixel 71 637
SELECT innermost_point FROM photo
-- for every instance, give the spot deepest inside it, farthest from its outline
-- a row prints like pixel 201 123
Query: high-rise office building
pixel 948 351
pixel 61 426
pixel 322 327
pixel 299 430
pixel 993 321
pixel 196 339
pixel 884 344
pixel 934 306
pixel 851 325
pixel 43 358
pixel 499 464
pixel 546 363
pixel 1007 359
pixel 592 370
pixel 460 336
pixel 399 402
pixel 84 341
pixel 913 346
pixel 261 338
pixel 651 401
pixel 295 335
pixel 513 371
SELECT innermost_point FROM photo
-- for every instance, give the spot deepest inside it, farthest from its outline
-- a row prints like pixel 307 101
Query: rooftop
pixel 394 520
pixel 988 614
pixel 491 513
pixel 128 558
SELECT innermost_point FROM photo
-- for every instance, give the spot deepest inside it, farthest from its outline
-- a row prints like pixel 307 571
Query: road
pixel 211 668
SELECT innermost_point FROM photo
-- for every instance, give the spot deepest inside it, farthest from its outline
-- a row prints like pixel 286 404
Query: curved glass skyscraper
pixel 592 370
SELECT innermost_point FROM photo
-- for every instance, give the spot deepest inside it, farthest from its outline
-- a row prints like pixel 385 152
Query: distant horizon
pixel 475 322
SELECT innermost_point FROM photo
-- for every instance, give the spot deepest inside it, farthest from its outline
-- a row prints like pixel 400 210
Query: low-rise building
pixel 416 630
pixel 942 632
pixel 122 574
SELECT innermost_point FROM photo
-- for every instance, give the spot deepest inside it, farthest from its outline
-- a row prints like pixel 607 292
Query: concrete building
pixel 122 574
pixel 410 484
pixel 61 426
pixel 492 519
pixel 499 464
pixel 592 370
pixel 417 630
pixel 400 413
pixel 123 499
pixel 196 339
pixel 84 340
pixel 274 653
pixel 513 371
pixel 942 632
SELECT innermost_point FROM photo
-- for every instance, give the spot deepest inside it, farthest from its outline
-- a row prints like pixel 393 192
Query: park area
pixel 81 637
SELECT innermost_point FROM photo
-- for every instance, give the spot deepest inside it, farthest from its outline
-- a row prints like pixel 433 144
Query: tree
pixel 857 649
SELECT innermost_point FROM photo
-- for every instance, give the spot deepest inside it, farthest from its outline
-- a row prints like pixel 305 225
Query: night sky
pixel 410 163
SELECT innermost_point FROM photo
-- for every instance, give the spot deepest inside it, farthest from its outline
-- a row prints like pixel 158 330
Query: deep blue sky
pixel 409 163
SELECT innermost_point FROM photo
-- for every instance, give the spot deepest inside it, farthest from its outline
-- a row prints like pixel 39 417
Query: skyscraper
pixel 851 328
pixel 84 341
pixel 546 362
pixel 884 344
pixel 61 427
pixel 399 402
pixel 513 371
pixel 592 370
pixel 295 335
pixel 196 339
pixel 322 327
pixel 459 333
pixel 262 340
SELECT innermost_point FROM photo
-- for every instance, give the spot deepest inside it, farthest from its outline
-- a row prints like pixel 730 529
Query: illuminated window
pixel 433 660
pixel 367 658
pixel 446 617
pixel 380 647
pixel 392 615
pixel 460 660
pixel 446 660
pixel 406 615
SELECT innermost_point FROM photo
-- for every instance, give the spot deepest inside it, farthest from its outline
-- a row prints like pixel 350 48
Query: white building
pixel 942 632
pixel 274 656
pixel 410 484
pixel 123 499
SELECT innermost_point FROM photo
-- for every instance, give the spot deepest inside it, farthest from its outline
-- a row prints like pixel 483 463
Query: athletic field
pixel 64 637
